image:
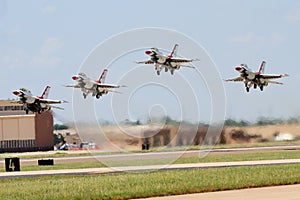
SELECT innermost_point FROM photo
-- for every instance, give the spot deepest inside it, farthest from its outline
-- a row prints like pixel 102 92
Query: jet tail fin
pixel 45 93
pixel 262 67
pixel 174 51
pixel 102 77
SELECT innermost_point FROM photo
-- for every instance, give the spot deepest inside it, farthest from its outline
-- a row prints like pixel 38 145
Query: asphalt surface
pixel 119 157
pixel 93 171
pixel 291 192
pixel 286 192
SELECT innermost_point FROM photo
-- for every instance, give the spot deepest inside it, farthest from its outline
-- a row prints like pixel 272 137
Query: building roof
pixel 9 102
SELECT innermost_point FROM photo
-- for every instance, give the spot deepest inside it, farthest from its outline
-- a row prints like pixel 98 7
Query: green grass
pixel 138 185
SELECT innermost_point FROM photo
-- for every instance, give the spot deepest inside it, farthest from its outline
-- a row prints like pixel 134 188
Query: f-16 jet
pixel 95 87
pixel 37 104
pixel 255 79
pixel 167 62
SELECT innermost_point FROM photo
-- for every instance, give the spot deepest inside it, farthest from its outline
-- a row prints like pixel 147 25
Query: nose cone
pixel 16 92
pixel 148 52
pixel 238 68
pixel 74 78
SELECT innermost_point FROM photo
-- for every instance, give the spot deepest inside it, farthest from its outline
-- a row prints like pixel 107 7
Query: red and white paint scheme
pixel 167 62
pixel 95 87
pixel 255 79
pixel 37 104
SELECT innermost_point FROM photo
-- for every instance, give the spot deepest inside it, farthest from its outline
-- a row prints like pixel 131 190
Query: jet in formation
pixel 255 79
pixel 37 104
pixel 95 87
pixel 167 62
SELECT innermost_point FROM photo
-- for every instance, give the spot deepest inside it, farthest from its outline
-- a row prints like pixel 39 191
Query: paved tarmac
pixel 291 192
pixel 168 156
pixel 286 192
pixel 88 171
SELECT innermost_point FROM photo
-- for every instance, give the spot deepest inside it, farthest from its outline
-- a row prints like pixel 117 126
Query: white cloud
pixel 252 38
pixel 48 10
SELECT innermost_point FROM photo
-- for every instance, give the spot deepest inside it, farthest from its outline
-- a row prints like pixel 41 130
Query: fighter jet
pixel 37 104
pixel 167 62
pixel 95 87
pixel 255 79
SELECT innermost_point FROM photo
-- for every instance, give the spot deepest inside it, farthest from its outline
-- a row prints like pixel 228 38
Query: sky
pixel 47 42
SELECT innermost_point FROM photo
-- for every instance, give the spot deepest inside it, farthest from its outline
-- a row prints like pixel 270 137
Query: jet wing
pixel 73 86
pixel 236 79
pixel 146 62
pixel 50 101
pixel 181 60
pixel 103 86
pixel 275 82
pixel 273 76
pixel 187 66
pixel 57 107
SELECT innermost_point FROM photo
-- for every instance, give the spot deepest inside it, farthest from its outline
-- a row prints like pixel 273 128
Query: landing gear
pixel 158 72
pixel 255 86
pixel 166 69
pixel 27 111
pixel 84 96
pixel 172 71
pixel 261 88
pixel 98 96
pixel 247 89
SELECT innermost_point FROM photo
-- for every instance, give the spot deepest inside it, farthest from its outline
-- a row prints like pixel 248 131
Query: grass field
pixel 157 183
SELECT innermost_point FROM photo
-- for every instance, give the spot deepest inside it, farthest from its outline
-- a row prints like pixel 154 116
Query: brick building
pixel 20 132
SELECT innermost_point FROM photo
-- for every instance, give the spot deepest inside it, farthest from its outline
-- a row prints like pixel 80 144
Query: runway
pixel 281 192
pixel 128 156
pixel 106 170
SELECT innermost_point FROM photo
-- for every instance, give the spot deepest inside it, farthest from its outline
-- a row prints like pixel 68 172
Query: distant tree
pixel 293 120
pixel 243 123
pixel 60 127
pixel 231 122
pixel 268 121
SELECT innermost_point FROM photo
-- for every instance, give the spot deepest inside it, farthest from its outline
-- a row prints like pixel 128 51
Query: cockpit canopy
pixel 81 74
pixel 25 90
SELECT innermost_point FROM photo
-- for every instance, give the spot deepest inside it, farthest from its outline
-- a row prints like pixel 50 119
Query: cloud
pixel 252 38
pixel 48 10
